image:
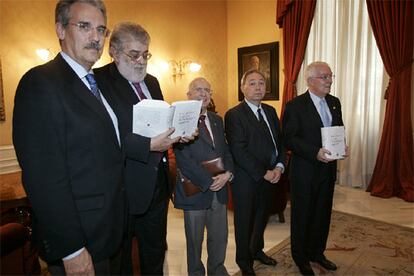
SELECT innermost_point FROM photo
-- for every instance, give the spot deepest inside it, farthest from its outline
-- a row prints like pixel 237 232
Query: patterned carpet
pixel 358 246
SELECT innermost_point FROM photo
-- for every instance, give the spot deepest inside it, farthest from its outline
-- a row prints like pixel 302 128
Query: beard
pixel 140 72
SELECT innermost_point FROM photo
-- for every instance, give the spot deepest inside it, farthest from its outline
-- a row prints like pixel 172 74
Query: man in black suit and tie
pixel 252 131
pixel 126 82
pixel 312 174
pixel 206 208
pixel 67 142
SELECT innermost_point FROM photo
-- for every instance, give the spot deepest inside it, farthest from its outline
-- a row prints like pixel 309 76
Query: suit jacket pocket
pixel 90 203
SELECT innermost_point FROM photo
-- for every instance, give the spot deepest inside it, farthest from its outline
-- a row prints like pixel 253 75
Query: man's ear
pixel 60 31
pixel 113 53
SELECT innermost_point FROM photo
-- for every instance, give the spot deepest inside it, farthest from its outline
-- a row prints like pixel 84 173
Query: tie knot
pixel 91 79
pixel 136 84
pixel 202 118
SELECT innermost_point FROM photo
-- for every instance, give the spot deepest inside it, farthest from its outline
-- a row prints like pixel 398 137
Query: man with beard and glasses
pixel 67 142
pixel 126 82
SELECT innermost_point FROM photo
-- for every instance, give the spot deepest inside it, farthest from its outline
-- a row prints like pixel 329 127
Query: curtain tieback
pixel 405 66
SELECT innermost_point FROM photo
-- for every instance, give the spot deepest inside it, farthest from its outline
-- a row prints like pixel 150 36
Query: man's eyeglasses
pixel 86 27
pixel 325 77
pixel 136 57
pixel 203 90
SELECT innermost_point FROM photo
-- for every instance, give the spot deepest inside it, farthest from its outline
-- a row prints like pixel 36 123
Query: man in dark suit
pixel 66 138
pixel 252 131
pixel 206 209
pixel 146 168
pixel 312 173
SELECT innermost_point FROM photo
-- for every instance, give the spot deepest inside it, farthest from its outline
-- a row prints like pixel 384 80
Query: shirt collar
pixel 252 106
pixel 79 69
pixel 315 99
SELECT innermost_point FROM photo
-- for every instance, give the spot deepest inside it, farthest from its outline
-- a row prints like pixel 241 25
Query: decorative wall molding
pixel 8 160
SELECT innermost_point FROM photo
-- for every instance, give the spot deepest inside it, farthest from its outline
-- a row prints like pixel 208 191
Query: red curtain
pixel 393 26
pixel 295 17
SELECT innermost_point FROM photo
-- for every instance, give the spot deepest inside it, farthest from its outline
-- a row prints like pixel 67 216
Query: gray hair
pixel 249 72
pixel 126 30
pixel 63 7
pixel 311 68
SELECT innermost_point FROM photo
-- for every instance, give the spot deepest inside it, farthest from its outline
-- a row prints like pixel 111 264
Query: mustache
pixel 94 45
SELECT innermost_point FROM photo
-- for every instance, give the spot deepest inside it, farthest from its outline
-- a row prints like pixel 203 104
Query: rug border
pixel 376 220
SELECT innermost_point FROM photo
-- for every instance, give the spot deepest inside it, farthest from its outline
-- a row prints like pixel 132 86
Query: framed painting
pixel 265 58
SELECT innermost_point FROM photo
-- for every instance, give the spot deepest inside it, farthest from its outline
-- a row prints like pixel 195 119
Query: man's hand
pixel 346 152
pixel 321 155
pixel 273 176
pixel 80 265
pixel 187 139
pixel 277 173
pixel 163 141
pixel 219 181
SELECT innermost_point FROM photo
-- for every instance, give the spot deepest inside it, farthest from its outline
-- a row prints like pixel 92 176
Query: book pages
pixel 153 117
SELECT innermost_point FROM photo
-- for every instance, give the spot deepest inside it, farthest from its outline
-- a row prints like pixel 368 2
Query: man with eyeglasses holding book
pixel 67 143
pixel 312 171
pixel 205 168
pixel 147 184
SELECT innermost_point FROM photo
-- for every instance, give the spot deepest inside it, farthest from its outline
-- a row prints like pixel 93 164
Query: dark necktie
pixel 202 125
pixel 140 94
pixel 269 135
pixel 94 86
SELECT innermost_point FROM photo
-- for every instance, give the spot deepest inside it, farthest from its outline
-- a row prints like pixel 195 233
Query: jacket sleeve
pixel 191 167
pixel 294 140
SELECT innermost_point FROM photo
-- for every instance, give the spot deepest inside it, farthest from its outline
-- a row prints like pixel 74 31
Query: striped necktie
pixel 94 86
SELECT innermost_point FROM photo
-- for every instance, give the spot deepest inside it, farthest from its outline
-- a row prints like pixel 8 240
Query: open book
pixel 333 139
pixel 153 117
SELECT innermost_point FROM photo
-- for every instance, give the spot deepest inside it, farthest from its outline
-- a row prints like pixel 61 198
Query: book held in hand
pixel 333 139
pixel 153 117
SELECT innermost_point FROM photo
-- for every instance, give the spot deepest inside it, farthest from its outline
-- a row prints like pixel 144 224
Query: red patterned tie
pixel 202 124
pixel 140 94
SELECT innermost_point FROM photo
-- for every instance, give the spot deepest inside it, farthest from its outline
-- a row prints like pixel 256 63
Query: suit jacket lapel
pixel 80 90
pixel 272 123
pixel 334 110
pixel 251 117
pixel 312 111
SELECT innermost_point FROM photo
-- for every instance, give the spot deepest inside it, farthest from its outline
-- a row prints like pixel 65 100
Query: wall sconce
pixel 180 68
pixel 44 54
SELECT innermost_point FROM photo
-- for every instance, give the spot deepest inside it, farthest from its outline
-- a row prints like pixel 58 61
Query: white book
pixel 333 139
pixel 153 117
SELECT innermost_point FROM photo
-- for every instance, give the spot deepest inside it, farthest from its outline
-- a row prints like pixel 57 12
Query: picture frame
pixel 2 108
pixel 265 58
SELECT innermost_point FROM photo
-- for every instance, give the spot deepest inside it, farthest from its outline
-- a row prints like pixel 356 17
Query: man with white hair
pixel 312 173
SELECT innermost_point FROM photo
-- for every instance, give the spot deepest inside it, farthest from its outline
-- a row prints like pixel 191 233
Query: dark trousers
pixel 252 204
pixel 150 230
pixel 311 217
